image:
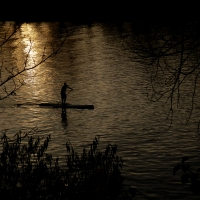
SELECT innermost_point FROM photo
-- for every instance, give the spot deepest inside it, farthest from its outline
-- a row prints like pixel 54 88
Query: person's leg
pixel 64 99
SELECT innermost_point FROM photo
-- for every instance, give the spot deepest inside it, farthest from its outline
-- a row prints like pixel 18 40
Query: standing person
pixel 63 93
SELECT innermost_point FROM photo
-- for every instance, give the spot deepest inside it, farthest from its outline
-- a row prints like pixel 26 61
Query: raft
pixel 54 105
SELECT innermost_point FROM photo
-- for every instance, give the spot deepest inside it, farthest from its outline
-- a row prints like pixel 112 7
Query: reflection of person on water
pixel 63 93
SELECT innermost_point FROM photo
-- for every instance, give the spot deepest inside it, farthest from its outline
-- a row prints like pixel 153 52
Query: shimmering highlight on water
pixel 101 72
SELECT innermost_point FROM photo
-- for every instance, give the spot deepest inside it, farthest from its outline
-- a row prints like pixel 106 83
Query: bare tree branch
pixel 172 56
pixel 12 74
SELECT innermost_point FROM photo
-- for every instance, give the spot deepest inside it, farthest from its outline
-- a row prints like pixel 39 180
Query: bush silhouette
pixel 188 176
pixel 28 172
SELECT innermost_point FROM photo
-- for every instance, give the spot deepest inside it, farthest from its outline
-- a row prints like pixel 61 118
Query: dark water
pixel 96 64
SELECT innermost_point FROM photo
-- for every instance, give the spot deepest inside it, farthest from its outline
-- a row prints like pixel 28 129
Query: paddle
pixel 70 89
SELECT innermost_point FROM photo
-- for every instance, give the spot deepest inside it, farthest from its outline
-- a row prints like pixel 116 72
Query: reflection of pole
pixel 64 114
pixel 64 118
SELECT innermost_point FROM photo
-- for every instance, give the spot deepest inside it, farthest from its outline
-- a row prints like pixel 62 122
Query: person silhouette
pixel 63 93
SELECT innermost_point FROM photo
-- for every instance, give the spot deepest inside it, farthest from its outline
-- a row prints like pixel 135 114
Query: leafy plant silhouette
pixel 188 175
pixel 28 172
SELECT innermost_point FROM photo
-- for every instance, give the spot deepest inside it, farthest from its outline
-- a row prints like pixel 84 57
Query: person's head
pixel 65 83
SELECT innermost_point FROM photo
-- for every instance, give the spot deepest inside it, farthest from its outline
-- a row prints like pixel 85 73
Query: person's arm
pixel 70 88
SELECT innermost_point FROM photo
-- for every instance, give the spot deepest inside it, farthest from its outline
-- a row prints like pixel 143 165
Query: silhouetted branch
pixel 12 74
pixel 8 36
pixel 171 55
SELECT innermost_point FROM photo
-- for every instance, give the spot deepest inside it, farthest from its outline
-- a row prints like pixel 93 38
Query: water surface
pixel 102 72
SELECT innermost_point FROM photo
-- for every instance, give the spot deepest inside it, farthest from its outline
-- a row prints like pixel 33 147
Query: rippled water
pixel 96 65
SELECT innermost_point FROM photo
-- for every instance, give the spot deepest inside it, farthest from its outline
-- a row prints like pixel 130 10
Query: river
pixel 101 71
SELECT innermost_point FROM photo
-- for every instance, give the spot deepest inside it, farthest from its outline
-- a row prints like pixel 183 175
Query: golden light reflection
pixel 28 53
pixel 28 41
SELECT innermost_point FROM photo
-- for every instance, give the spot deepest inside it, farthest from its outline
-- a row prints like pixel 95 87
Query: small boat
pixel 54 105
